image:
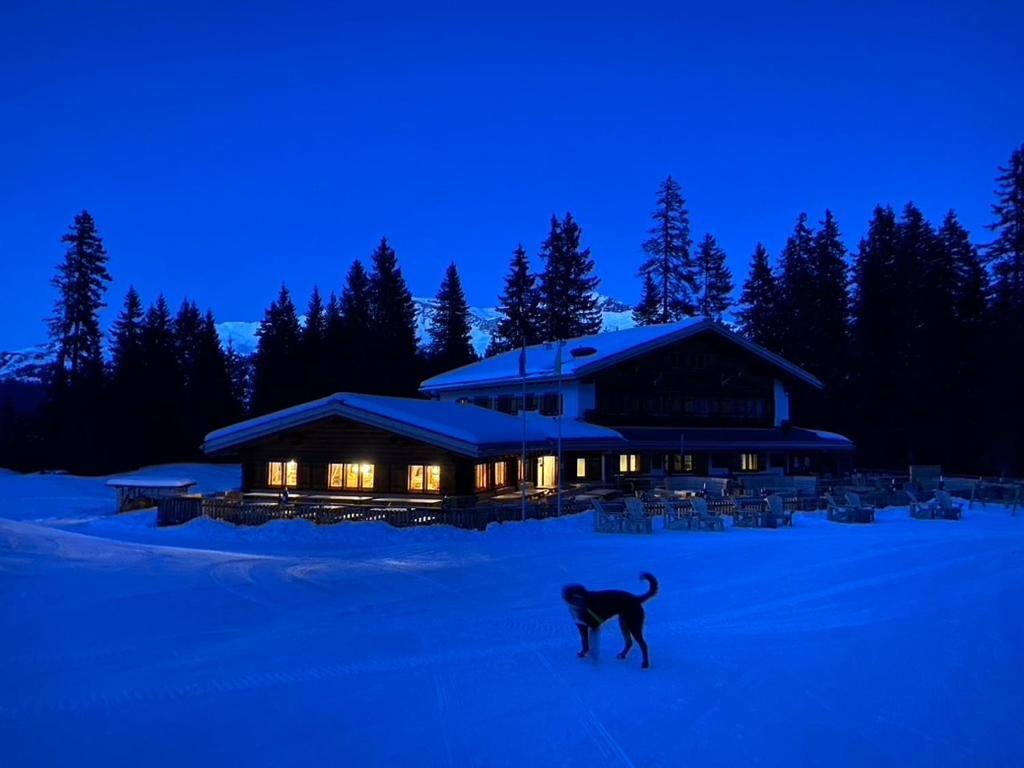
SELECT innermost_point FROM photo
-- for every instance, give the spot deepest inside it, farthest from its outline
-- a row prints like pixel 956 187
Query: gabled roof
pixel 587 354
pixel 683 439
pixel 465 429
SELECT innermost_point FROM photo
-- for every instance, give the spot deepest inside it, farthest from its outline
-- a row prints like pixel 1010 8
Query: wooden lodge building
pixel 686 398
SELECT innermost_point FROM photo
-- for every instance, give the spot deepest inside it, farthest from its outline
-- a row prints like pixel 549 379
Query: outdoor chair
pixel 606 520
pixel 678 515
pixel 703 519
pixel 844 513
pixel 921 510
pixel 777 511
pixel 947 508
pixel 747 513
pixel 861 512
pixel 637 520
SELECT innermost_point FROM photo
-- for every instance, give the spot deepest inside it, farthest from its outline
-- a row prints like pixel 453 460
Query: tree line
pixel 917 334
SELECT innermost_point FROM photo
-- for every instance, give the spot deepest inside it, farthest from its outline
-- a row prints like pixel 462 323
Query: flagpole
pixel 558 478
pixel 522 459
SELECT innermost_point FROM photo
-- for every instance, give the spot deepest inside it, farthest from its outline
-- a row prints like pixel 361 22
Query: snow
pixel 892 644
pixel 145 481
pixel 436 422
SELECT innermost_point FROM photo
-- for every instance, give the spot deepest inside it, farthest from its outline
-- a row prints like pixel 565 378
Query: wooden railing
pixel 175 511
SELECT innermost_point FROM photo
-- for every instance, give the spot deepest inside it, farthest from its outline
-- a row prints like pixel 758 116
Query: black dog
pixel 592 609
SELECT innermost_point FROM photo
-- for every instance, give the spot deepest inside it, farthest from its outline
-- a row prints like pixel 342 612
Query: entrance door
pixel 547 471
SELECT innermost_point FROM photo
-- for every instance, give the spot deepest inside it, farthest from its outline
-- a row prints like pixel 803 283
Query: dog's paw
pixel 581 655
pixel 645 665
pixel 620 656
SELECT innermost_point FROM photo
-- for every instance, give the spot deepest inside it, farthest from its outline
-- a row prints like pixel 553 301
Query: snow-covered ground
pixel 898 644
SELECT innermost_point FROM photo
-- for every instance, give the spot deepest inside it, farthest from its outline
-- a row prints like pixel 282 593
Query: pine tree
pixel 568 304
pixel 275 384
pixel 126 346
pixel 831 306
pixel 972 279
pixel 714 278
pixel 312 350
pixel 186 329
pixel 797 297
pixel 758 315
pixel 669 263
pixel 650 309
pixel 519 307
pixel 127 377
pixel 393 355
pixel 160 417
pixel 1006 252
pixel 356 299
pixel 450 333
pixel 216 397
pixel 353 337
pixel 1006 256
pixel 81 282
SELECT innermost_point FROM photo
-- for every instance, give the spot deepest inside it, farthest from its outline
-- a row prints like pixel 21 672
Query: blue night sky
pixel 226 147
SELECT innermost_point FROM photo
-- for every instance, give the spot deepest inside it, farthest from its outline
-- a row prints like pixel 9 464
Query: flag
pixel 558 359
pixel 522 362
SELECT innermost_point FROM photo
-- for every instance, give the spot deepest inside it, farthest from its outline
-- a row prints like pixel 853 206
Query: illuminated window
pixel 547 474
pixel 581 467
pixel 282 474
pixel 500 474
pixel 688 462
pixel 481 477
pixel 350 476
pixel 628 462
pixel 748 462
pixel 424 478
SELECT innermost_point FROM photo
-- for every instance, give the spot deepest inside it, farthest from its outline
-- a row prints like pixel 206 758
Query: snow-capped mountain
pixel 28 364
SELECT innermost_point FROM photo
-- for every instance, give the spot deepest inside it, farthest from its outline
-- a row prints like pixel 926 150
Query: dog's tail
pixel 652 590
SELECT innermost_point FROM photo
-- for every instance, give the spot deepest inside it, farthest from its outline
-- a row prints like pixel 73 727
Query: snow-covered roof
pixel 682 439
pixel 584 355
pixel 141 481
pixel 465 429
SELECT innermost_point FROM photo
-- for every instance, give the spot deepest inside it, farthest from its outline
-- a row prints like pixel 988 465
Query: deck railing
pixel 175 511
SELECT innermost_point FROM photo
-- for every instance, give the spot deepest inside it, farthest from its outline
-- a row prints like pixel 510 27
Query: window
pixel 350 476
pixel 687 462
pixel 424 478
pixel 628 462
pixel 484 401
pixel 500 474
pixel 505 404
pixel 748 462
pixel 282 474
pixel 682 462
pixel 481 477
pixel 547 471
pixel 550 404
pixel 581 467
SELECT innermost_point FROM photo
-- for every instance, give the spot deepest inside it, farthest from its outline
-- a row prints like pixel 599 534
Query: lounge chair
pixel 678 515
pixel 947 509
pixel 862 513
pixel 703 519
pixel 637 519
pixel 777 512
pixel 922 510
pixel 847 513
pixel 747 513
pixel 606 520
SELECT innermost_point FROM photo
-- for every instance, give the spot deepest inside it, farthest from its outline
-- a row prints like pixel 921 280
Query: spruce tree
pixel 568 304
pixel 450 333
pixel 312 345
pixel 126 345
pixel 519 307
pixel 650 309
pixel 831 304
pixel 275 384
pixel 393 357
pixel 797 294
pixel 758 315
pixel 355 334
pixel 217 398
pixel 81 282
pixel 669 263
pixel 714 278
pixel 160 420
pixel 1006 255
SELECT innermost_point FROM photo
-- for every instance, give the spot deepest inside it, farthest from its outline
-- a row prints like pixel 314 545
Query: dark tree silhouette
pixel 759 309
pixel 650 309
pixel 568 304
pixel 669 263
pixel 519 307
pixel 714 278
pixel 450 332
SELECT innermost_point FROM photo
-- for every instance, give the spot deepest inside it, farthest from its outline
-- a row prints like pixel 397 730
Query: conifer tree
pixel 758 315
pixel 160 419
pixel 312 344
pixel 353 335
pixel 275 382
pixel 356 300
pixel 831 307
pixel 714 278
pixel 650 309
pixel 217 401
pixel 972 279
pixel 568 304
pixel 1006 257
pixel 449 330
pixel 669 263
pixel 519 307
pixel 81 282
pixel 393 355
pixel 797 297
pixel 186 328
pixel 126 345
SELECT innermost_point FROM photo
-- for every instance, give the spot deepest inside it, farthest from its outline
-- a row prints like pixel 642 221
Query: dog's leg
pixel 638 633
pixel 584 639
pixel 625 636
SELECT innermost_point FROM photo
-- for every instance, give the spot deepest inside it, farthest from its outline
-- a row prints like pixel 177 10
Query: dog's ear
pixel 573 593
